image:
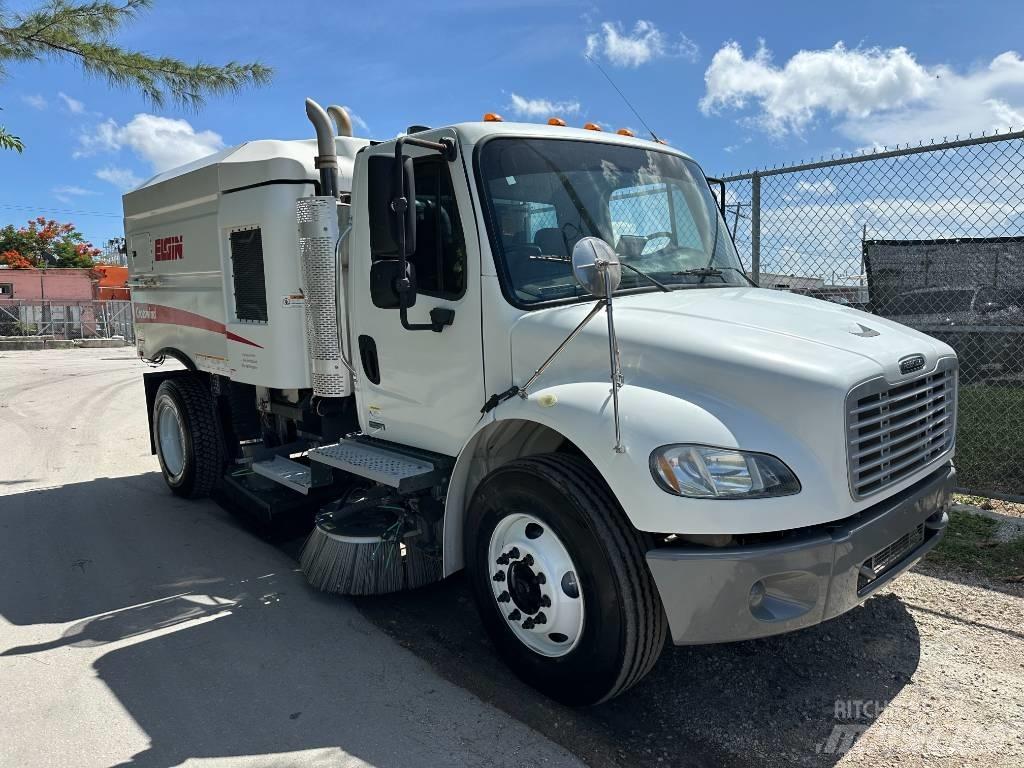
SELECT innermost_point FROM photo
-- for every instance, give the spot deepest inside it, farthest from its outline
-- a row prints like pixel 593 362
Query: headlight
pixel 700 471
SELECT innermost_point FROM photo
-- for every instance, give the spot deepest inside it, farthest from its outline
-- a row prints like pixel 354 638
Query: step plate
pixel 288 473
pixel 379 464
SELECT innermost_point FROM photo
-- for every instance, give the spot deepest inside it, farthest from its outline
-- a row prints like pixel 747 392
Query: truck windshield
pixel 653 207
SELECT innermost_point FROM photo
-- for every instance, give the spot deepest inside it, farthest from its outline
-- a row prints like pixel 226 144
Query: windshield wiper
pixel 566 260
pixel 647 277
pixel 703 272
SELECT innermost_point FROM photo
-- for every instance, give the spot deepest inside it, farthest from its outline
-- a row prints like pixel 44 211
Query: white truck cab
pixel 532 352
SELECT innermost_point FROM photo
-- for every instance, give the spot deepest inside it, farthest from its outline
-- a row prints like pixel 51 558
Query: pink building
pixel 68 285
pixel 54 302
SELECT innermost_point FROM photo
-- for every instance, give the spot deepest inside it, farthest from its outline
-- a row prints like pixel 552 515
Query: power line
pixel 628 104
pixel 69 211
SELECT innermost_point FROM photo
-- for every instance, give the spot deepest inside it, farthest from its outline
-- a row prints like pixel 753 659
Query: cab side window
pixel 440 255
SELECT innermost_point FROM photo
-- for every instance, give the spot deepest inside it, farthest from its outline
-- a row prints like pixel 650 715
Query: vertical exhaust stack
pixel 319 244
pixel 327 157
pixel 341 119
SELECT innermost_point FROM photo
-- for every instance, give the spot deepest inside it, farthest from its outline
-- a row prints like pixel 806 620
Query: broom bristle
pixel 365 565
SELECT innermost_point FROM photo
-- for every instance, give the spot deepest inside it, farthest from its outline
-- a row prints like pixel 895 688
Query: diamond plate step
pixel 288 473
pixel 398 470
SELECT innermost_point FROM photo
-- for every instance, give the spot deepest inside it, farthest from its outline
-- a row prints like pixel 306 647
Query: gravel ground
pixel 928 673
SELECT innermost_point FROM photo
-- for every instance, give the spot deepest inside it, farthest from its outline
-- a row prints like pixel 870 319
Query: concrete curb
pixel 48 342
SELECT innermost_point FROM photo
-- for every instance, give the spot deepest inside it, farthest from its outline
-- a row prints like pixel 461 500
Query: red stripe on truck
pixel 157 313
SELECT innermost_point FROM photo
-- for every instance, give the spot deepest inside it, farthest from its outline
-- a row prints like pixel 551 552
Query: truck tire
pixel 560 579
pixel 187 436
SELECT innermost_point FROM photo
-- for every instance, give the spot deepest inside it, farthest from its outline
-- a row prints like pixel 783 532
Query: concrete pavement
pixel 139 629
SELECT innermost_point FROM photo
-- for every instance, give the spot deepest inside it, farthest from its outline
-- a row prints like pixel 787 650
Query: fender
pixel 580 413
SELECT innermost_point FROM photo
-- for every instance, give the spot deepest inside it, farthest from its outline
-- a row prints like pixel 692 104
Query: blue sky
pixel 739 85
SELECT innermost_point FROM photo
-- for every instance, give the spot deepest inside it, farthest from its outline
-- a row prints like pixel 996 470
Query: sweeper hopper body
pixel 532 352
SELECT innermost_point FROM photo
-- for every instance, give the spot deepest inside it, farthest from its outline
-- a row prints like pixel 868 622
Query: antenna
pixel 628 104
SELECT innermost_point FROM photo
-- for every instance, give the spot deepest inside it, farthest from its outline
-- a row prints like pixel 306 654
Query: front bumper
pixel 737 593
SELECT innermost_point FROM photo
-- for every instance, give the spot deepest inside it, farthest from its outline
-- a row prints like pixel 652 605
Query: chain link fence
pixel 67 319
pixel 931 236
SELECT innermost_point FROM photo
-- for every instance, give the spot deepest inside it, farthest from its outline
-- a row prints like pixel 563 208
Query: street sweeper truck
pixel 532 352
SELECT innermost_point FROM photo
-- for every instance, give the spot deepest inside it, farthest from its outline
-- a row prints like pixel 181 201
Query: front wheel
pixel 560 580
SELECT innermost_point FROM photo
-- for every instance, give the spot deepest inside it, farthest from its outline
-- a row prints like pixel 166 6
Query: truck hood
pixel 701 337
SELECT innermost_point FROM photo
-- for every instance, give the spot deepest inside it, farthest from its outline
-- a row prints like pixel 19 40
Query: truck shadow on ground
pixel 209 639
pixel 214 645
pixel 770 701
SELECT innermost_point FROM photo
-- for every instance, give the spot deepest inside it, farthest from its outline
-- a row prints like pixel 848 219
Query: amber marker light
pixel 625 132
pixel 493 117
pixel 556 121
pixel 592 127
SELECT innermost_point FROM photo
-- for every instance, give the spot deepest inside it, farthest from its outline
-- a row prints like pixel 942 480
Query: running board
pixel 288 473
pixel 401 471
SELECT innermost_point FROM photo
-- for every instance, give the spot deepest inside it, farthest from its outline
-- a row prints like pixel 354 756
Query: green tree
pixel 45 243
pixel 82 31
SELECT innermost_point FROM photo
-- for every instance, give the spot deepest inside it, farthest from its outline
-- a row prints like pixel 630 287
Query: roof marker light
pixel 625 132
pixel 493 117
pixel 556 121
pixel 592 127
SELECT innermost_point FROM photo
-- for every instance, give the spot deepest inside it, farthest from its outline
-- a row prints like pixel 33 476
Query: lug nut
pixel 499 576
pixel 504 597
pixel 503 560
pixel 528 560
pixel 528 624
pixel 515 615
pixel 545 601
pixel 540 618
pixel 542 579
pixel 513 553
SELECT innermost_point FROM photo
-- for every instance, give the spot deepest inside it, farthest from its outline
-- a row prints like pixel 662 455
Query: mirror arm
pixel 721 197
pixel 440 318
pixel 448 149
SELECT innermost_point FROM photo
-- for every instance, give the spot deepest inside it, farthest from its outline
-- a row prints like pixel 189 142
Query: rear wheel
pixel 560 579
pixel 187 436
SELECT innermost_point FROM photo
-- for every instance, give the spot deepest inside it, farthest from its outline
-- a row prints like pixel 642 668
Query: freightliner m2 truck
pixel 531 352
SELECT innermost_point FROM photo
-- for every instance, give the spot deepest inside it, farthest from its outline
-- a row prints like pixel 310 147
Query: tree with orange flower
pixel 45 243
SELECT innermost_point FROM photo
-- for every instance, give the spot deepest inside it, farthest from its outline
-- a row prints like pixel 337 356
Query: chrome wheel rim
pixel 535 585
pixel 170 439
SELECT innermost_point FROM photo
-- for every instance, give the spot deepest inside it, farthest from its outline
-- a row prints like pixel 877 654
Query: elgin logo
pixel 168 248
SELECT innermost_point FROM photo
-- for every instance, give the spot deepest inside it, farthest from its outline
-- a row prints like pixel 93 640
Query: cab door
pixel 418 387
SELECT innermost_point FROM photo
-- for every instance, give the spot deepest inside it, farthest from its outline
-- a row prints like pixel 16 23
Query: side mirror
pixel 403 213
pixel 596 266
pixel 384 276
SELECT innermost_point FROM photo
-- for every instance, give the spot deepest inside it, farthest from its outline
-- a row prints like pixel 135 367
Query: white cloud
pixel 163 142
pixel 74 106
pixel 36 101
pixel 631 49
pixel 880 96
pixel 122 178
pixel 67 192
pixel 822 187
pixel 525 107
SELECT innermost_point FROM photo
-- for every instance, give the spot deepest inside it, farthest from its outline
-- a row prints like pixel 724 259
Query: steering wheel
pixel 655 236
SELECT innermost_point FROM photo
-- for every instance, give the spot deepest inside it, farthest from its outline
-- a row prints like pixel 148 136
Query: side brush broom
pixel 371 547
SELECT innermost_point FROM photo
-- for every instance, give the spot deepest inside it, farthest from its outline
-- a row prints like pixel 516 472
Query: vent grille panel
pixel 247 275
pixel 895 430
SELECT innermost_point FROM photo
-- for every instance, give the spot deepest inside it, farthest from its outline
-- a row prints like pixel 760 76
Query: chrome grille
pixel 894 430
